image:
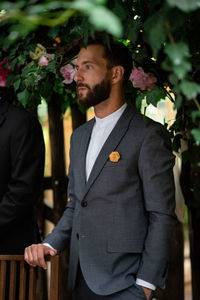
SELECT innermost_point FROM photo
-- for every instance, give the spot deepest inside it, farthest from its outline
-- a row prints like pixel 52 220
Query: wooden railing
pixel 18 280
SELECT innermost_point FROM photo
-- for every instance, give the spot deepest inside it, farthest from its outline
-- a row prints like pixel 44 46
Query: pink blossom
pixel 74 61
pixel 142 80
pixel 4 72
pixel 44 60
pixel 68 73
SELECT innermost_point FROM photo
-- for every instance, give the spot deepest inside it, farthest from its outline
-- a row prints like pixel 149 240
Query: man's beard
pixel 99 93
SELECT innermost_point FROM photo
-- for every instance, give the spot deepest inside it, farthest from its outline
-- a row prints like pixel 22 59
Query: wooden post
pixel 59 179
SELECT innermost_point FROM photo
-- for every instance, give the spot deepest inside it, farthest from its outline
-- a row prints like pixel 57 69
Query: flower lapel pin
pixel 114 156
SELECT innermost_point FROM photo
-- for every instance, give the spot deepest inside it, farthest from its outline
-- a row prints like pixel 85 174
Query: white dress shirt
pixel 100 132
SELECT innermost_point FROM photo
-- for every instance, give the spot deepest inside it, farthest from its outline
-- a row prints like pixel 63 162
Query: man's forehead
pixel 91 53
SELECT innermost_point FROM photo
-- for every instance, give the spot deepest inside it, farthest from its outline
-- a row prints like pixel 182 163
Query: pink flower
pixel 142 80
pixel 74 61
pixel 68 73
pixel 4 72
pixel 44 60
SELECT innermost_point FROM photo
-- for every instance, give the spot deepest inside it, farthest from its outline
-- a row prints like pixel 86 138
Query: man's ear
pixel 117 74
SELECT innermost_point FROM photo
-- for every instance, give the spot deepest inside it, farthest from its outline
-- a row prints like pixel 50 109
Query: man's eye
pixel 88 66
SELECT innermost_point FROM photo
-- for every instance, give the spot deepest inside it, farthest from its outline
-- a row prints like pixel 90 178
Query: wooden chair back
pixel 12 266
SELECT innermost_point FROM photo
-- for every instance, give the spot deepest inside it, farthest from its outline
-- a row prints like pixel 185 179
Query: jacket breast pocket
pixel 125 245
pixel 120 163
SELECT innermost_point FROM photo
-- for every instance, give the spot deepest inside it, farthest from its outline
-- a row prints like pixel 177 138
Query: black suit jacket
pixel 21 173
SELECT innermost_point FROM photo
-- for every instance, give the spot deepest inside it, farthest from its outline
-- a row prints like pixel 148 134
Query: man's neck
pixel 108 106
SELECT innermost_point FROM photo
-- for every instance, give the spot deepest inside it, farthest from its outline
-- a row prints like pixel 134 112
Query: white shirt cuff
pixel 145 284
pixel 48 245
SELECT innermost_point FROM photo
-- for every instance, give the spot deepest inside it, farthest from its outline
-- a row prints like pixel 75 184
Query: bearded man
pixel 121 211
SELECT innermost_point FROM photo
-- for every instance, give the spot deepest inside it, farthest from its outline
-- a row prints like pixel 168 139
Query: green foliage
pixel 155 95
pixel 185 5
pixel 196 133
pixel 162 36
pixel 177 61
pixel 55 13
pixel 190 89
pixel 155 31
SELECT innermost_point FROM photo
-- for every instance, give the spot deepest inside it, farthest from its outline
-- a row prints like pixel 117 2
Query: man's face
pixel 92 76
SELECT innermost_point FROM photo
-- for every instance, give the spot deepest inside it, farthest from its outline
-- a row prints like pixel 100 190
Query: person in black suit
pixel 21 173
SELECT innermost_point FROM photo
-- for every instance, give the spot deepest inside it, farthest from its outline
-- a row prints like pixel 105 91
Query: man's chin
pixel 82 101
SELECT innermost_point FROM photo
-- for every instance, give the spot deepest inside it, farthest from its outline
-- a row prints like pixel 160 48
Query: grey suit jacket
pixel 120 221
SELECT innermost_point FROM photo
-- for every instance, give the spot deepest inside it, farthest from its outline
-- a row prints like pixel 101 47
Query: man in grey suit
pixel 121 211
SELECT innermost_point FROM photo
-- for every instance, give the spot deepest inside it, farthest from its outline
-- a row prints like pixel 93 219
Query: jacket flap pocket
pixel 126 245
pixel 120 163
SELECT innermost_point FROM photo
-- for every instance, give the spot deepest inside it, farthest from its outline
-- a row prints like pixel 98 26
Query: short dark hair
pixel 116 53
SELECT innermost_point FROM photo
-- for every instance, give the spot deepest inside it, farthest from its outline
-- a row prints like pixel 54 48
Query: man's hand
pixel 35 254
pixel 147 292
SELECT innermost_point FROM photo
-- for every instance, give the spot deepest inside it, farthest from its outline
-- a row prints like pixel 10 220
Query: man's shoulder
pixel 79 130
pixel 144 123
pixel 18 114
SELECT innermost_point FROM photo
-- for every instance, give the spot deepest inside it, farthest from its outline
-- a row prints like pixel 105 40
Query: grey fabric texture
pixel 120 221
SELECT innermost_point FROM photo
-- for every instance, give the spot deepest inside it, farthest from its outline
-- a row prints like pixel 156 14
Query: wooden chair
pixel 15 264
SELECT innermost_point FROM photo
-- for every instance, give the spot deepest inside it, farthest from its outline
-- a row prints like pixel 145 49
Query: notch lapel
pixel 83 151
pixel 110 145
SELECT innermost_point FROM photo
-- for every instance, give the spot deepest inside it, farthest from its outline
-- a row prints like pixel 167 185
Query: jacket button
pixel 84 203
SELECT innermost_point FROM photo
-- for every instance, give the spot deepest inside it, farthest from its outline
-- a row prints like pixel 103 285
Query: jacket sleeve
pixel 61 234
pixel 156 163
pixel 26 171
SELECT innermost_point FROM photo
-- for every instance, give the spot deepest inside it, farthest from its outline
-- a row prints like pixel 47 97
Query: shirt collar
pixel 103 122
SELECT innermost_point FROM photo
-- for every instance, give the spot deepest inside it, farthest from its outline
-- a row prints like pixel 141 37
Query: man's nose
pixel 78 77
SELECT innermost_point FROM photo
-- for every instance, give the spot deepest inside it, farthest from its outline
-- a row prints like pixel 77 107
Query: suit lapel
pixel 83 150
pixel 110 145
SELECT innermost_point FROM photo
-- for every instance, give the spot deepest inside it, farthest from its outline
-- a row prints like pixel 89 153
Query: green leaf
pixel 17 84
pixel 31 79
pixel 155 95
pixel 45 89
pixel 195 114
pixel 58 87
pixel 196 134
pixel 29 70
pixel 185 5
pixel 178 102
pixel 155 31
pixel 178 55
pixel 22 59
pixel 9 80
pixel 138 101
pixel 13 64
pixel 54 32
pixel 177 52
pixel 104 19
pixel 190 89
pixel 133 29
pixel 183 69
pixel 23 97
pixel 51 66
pixel 173 79
pixel 119 10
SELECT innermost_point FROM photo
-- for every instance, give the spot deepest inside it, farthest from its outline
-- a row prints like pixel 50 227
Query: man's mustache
pixel 82 85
